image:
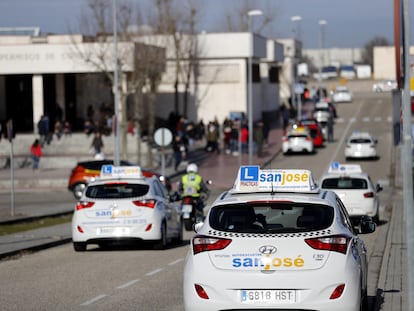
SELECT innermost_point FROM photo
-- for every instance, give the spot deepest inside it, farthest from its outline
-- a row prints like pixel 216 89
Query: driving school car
pixel 124 206
pixel 265 242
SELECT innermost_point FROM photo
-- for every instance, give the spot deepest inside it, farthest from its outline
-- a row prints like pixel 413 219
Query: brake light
pixel 336 243
pixel 201 292
pixel 308 138
pixel 206 244
pixel 120 183
pixel 145 203
pixel 82 205
pixel 337 292
pixel 369 194
pixel 285 139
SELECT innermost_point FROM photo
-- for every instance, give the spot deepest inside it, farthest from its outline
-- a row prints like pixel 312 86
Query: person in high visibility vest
pixel 192 184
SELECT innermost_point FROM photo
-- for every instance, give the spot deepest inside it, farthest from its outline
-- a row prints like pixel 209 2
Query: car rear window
pixel 117 191
pixel 271 217
pixel 360 141
pixel 298 136
pixel 344 183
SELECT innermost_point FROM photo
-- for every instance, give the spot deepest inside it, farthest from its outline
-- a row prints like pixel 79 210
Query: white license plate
pixel 268 296
pixel 187 208
pixel 113 231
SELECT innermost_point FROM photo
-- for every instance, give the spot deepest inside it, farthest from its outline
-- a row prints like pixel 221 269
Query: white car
pixel 385 86
pixel 342 95
pixel 322 112
pixel 275 241
pixel 361 145
pixel 124 206
pixel 355 188
pixel 297 140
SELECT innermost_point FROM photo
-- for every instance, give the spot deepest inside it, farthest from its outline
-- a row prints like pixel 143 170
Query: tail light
pixel 368 194
pixel 285 139
pixel 188 200
pixel 206 244
pixel 201 292
pixel 337 292
pixel 336 243
pixel 82 205
pixel 145 203
pixel 309 138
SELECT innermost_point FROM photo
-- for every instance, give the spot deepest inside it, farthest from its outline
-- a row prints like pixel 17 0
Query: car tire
pixel 78 190
pixel 364 301
pixel 376 218
pixel 79 246
pixel 162 243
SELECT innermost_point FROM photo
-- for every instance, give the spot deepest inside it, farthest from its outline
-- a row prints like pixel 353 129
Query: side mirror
pixel 379 188
pixel 366 225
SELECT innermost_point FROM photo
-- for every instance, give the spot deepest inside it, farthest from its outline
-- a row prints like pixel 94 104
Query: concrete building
pixel 50 75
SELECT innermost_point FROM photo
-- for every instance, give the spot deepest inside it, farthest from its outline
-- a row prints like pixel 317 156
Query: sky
pixel 349 24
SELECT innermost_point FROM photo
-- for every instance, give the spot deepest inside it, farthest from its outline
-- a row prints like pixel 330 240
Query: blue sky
pixel 350 23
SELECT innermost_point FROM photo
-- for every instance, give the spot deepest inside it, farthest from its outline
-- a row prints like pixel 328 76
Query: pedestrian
pixel 180 151
pixel 36 153
pixel 212 137
pixel 244 139
pixel 258 135
pixel 97 144
pixel 43 130
pixel 330 126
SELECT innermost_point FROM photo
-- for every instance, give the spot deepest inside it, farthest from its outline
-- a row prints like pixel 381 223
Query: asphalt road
pixel 139 278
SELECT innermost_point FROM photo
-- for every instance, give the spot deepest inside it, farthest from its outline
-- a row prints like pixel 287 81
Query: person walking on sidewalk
pixel 97 144
pixel 36 153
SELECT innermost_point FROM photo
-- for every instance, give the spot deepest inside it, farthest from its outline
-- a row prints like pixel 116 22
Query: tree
pixel 368 50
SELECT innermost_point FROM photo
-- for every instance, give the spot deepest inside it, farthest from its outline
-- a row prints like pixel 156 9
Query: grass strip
pixel 40 223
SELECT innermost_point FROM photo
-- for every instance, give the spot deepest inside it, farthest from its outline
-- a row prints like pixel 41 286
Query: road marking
pixel 343 137
pixel 154 272
pixel 128 284
pixel 366 119
pixel 175 262
pixel 93 300
pixel 377 119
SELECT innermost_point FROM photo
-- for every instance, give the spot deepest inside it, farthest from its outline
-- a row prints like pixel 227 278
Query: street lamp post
pixel 116 129
pixel 250 14
pixel 321 23
pixel 296 35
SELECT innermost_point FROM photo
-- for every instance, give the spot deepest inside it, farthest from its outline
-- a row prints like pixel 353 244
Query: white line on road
pixel 128 284
pixel 93 300
pixel 175 262
pixel 154 272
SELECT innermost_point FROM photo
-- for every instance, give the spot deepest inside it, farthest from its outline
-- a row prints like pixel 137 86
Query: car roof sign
pixel 337 168
pixel 252 179
pixel 111 171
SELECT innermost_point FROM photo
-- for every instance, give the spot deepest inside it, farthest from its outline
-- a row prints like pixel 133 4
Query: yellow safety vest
pixel 191 185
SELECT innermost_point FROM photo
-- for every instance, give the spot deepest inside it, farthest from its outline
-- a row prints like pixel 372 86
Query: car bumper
pixel 224 287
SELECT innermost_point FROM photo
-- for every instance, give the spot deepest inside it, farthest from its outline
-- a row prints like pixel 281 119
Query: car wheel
pixel 162 243
pixel 364 301
pixel 376 218
pixel 79 246
pixel 78 190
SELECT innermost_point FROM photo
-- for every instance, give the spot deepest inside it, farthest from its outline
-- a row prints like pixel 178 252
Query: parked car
pixel 86 171
pixel 385 86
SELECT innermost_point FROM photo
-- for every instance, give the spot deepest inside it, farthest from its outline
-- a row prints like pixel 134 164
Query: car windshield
pixel 271 217
pixel 297 136
pixel 116 191
pixel 344 183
